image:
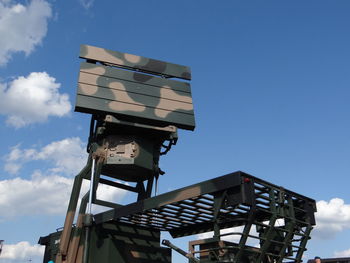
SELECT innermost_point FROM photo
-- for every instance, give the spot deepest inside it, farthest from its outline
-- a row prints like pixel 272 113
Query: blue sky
pixel 270 87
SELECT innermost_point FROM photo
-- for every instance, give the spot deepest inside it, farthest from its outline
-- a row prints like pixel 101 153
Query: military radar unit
pixel 136 106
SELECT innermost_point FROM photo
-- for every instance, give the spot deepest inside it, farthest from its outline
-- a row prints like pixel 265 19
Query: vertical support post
pixel 91 185
pixel 156 187
pixel 87 219
pixel 289 226
pixel 219 199
pixel 303 242
pixel 149 187
pixel 244 237
pixel 78 232
pixel 140 190
pixel 246 230
pixel 270 232
pixel 66 233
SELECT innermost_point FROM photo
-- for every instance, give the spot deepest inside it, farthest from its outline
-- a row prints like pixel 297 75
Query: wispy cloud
pixel 87 3
pixel 68 156
pixel 38 196
pixel 230 234
pixel 45 195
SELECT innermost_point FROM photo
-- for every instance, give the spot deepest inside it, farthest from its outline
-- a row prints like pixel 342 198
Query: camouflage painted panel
pixel 136 62
pixel 134 77
pixel 135 113
pixel 150 100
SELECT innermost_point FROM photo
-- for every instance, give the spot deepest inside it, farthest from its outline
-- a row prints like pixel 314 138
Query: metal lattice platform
pixel 192 210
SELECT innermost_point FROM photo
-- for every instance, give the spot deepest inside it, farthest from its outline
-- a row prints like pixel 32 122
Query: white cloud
pixel 22 27
pixel 21 251
pixel 342 254
pixel 32 99
pixel 37 196
pixel 68 155
pixel 331 218
pixel 45 195
pixel 86 3
pixel 233 237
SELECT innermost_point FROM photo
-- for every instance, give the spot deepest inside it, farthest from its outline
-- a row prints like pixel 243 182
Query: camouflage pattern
pixel 65 252
pixel 125 243
pixel 131 151
pixel 233 200
pixel 134 115
pixel 134 96
pixel 236 199
pixel 143 64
